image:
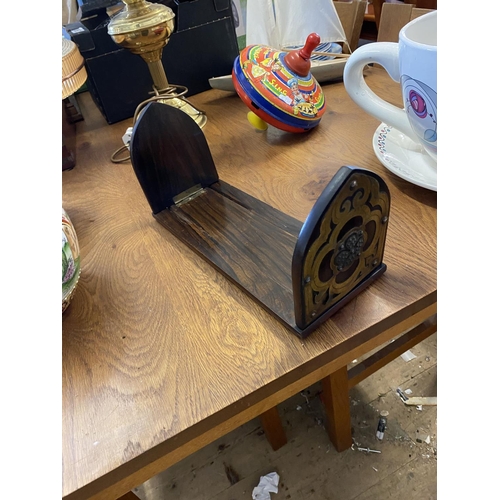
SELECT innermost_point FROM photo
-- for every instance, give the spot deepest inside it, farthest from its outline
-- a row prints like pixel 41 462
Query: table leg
pixel 68 140
pixel 273 428
pixel 336 401
pixel 129 496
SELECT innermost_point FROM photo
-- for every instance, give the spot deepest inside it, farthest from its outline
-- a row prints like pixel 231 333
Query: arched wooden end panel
pixel 340 248
pixel 170 155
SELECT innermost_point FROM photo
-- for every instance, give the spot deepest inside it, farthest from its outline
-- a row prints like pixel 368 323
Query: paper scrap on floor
pixel 268 484
pixel 408 356
pixel 425 401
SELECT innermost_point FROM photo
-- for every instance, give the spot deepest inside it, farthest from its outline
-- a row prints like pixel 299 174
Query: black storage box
pixel 203 45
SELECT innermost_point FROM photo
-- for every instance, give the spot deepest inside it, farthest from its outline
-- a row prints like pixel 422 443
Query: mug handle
pixel 387 55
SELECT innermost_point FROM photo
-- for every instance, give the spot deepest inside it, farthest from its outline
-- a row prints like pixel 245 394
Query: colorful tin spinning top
pixel 278 86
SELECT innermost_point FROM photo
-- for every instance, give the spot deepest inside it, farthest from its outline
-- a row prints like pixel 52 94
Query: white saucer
pixel 405 158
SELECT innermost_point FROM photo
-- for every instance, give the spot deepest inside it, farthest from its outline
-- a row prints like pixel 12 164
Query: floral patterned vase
pixel 70 260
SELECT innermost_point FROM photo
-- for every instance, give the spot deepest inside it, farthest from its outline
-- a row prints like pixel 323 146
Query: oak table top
pixel 161 353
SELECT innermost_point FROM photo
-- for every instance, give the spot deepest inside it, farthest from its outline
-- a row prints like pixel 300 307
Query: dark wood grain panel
pixel 169 154
pixel 270 214
pixel 253 252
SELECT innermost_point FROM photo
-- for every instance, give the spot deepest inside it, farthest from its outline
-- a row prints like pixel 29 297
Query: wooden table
pixel 163 355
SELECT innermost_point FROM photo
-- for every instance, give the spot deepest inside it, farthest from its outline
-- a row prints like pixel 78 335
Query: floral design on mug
pixel 417 102
pixel 421 108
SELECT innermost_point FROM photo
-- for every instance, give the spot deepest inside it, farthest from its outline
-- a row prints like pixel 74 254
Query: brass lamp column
pixel 144 28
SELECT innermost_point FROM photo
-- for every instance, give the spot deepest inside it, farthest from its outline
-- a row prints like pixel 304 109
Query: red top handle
pixel 299 60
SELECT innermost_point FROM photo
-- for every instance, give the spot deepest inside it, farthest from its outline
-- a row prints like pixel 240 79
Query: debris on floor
pixel 382 424
pixel 425 401
pixel 305 394
pixel 402 395
pixel 268 484
pixel 367 450
pixel 408 356
pixel 231 474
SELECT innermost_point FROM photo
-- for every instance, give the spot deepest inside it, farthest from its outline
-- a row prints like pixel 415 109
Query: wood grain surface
pixel 252 251
pixel 161 353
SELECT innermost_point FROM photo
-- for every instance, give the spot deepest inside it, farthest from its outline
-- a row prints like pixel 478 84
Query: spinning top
pixel 278 86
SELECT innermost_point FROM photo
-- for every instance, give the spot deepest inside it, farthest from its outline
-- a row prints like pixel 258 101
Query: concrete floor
pixel 308 465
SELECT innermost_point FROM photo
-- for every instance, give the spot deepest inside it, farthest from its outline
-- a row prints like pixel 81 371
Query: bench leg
pixel 336 400
pixel 271 424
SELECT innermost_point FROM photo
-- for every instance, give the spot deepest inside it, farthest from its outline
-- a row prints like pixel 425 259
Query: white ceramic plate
pixel 331 47
pixel 405 158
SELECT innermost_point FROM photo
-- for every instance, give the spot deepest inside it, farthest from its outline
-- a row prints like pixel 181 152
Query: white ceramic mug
pixel 413 63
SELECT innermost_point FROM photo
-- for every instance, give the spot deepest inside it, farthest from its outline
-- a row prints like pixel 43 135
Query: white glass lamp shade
pixel 74 73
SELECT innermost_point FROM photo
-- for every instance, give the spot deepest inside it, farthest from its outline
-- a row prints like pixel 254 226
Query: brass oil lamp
pixel 144 28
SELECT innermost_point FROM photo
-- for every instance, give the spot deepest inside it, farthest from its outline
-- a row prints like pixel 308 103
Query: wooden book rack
pixel 301 273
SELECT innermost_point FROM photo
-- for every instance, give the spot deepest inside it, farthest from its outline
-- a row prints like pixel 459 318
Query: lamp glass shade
pixel 74 73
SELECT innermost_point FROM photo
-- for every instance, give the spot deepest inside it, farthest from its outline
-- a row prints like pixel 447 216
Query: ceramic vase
pixel 70 260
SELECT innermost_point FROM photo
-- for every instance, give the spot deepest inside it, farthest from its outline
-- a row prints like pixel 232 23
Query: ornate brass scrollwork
pixel 346 245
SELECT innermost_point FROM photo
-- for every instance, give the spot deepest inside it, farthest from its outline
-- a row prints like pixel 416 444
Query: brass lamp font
pixel 144 28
